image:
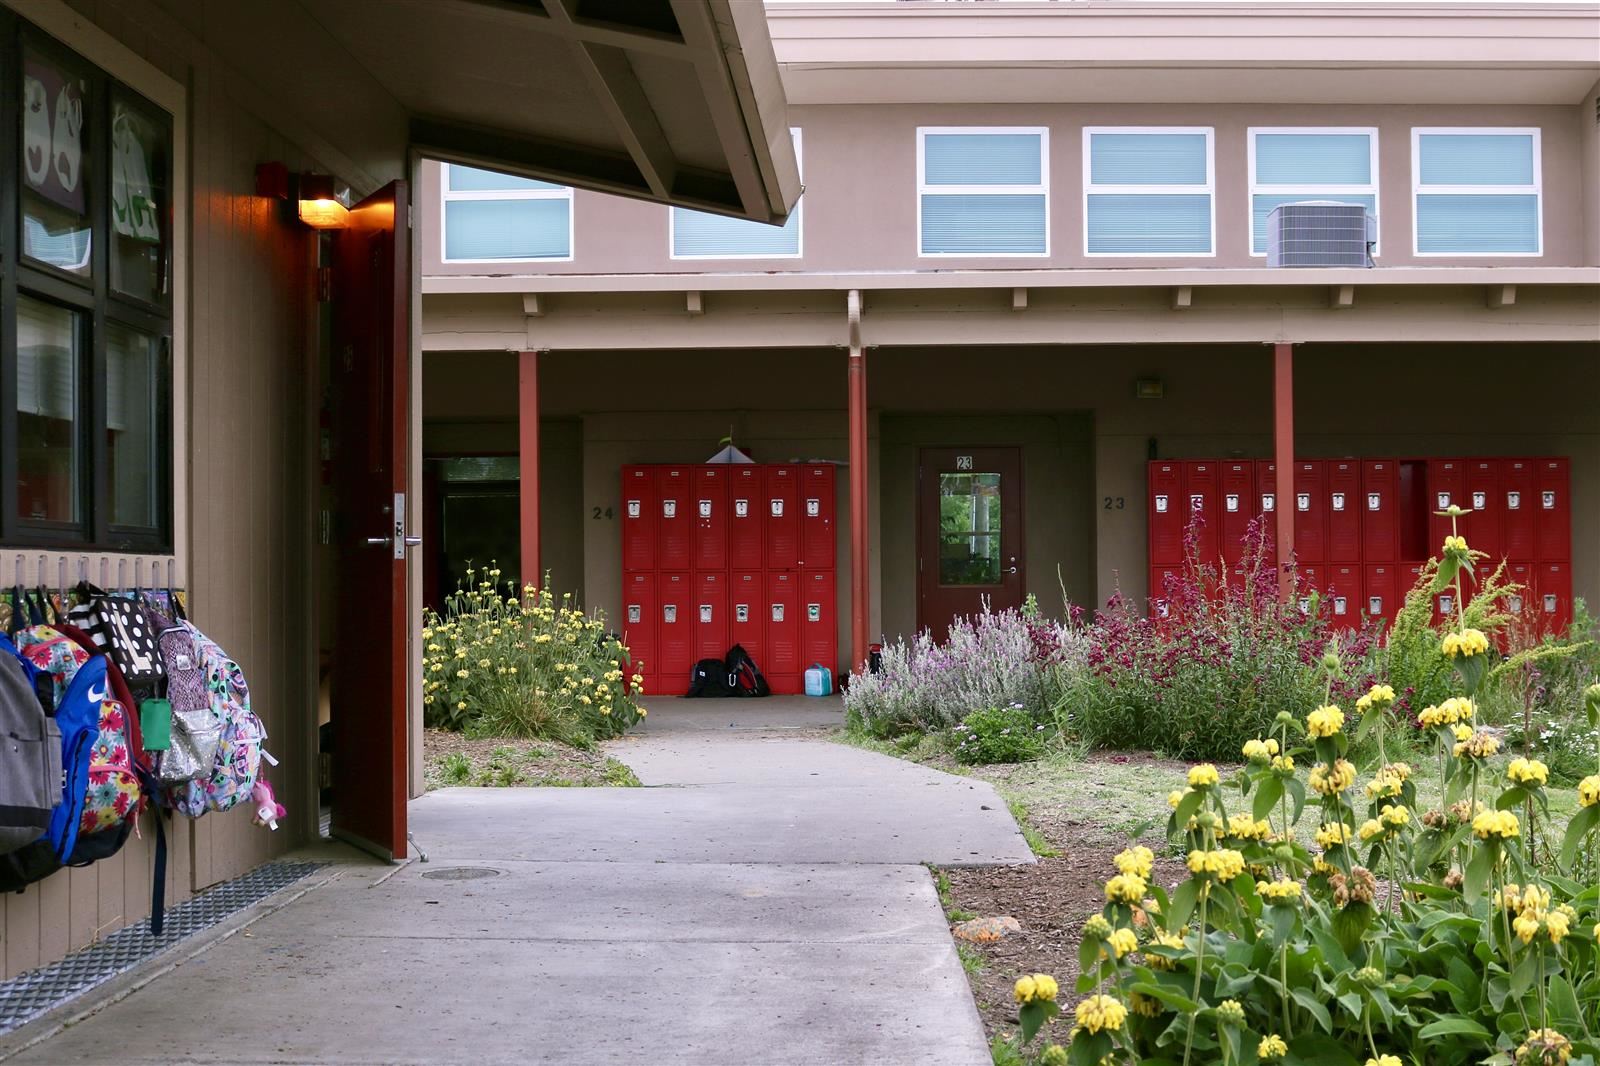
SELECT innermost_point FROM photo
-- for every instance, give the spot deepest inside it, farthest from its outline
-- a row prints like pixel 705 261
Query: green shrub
pixel 525 665
pixel 1000 734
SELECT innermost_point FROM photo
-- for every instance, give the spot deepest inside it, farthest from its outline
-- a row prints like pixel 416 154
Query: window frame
pixel 799 229
pixel 99 305
pixel 446 196
pixel 924 189
pixel 1209 189
pixel 1255 188
pixel 1536 189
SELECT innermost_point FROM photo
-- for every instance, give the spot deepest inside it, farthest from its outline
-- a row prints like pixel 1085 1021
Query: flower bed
pixel 525 664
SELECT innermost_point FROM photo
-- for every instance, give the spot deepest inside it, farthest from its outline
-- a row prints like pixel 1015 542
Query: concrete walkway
pixel 760 901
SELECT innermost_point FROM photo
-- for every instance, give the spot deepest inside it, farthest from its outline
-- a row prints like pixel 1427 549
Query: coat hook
pixel 61 576
pixel 83 568
pixel 19 576
pixel 138 572
pixel 105 571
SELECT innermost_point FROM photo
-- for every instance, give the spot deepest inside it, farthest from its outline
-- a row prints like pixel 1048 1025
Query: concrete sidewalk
pixel 762 903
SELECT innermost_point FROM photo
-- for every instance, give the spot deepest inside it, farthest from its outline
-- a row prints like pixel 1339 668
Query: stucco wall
pixel 859 165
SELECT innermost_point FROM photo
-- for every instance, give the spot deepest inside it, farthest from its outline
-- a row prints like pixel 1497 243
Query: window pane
pixel 507 229
pixel 1487 223
pixel 1476 158
pixel 981 159
pixel 54 163
pixel 1131 223
pixel 1313 159
pixel 1147 158
pixel 1261 206
pixel 700 233
pixel 482 468
pixel 49 345
pixel 139 154
pixel 472 179
pixel 133 425
pixel 969 529
pixel 977 224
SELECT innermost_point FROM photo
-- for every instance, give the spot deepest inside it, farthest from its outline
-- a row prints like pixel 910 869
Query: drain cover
pixel 462 873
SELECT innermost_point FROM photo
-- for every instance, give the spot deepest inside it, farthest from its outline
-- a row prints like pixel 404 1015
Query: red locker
pixel 1342 589
pixel 1166 514
pixel 816 517
pixel 675 632
pixel 674 524
pixel 747 615
pixel 1201 488
pixel 1554 586
pixel 782 518
pixel 1344 514
pixel 1483 526
pixel 1309 580
pixel 1380 512
pixel 745 521
pixel 1446 488
pixel 1553 526
pixel 711 518
pixel 638 518
pixel 1239 505
pixel 1523 602
pixel 1159 606
pixel 1518 514
pixel 639 626
pixel 1310 511
pixel 1382 595
pixel 783 668
pixel 711 629
pixel 819 621
pixel 1267 505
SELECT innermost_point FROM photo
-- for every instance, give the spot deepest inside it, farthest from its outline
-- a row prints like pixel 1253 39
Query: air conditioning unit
pixel 1320 233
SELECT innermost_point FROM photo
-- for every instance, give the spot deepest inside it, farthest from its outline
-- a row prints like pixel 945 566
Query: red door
pixel 1200 490
pixel 638 518
pixel 745 523
pixel 747 624
pixel 1344 512
pixel 674 632
pixel 639 625
pixel 1166 514
pixel 1380 511
pixel 711 615
pixel 1483 526
pixel 1446 489
pixel 781 518
pixel 1267 508
pixel 816 518
pixel 1517 515
pixel 819 622
pixel 1342 587
pixel 1382 588
pixel 783 631
pixel 674 521
pixel 1310 512
pixel 371 369
pixel 1238 508
pixel 1553 526
pixel 711 518
pixel 969 534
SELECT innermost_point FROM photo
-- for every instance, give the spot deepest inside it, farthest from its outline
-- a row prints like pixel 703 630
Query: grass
pixel 941 884
pixel 498 762
pixel 971 959
pixel 1041 847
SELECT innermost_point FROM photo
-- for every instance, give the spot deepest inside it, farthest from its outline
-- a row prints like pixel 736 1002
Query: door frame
pixel 923 622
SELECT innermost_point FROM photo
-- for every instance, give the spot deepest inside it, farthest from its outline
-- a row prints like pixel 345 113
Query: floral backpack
pixel 240 751
pixel 113 794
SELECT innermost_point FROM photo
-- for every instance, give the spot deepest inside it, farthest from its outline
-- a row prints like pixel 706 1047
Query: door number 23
pixel 1116 503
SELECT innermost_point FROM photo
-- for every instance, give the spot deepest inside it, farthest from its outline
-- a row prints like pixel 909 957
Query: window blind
pixel 473 179
pixel 1475 158
pixel 1147 159
pixel 1477 223
pixel 1149 223
pixel 1313 159
pixel 983 224
pixel 507 229
pixel 982 159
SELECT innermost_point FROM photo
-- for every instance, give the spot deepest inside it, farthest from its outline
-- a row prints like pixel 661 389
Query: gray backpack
pixel 196 731
pixel 30 753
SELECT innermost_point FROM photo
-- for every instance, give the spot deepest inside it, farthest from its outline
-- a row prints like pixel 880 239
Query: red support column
pixel 1283 457
pixel 860 577
pixel 528 464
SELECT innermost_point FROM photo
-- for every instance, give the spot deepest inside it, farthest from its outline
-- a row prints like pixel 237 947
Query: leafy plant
pixel 1466 950
pixel 999 734
pixel 526 664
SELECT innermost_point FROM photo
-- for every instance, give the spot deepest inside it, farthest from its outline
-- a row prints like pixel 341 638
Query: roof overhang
pixel 1204 52
pixel 675 101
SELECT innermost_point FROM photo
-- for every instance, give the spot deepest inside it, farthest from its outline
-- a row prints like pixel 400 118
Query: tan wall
pixel 246 381
pixel 1085 436
pixel 1588 123
pixel 860 207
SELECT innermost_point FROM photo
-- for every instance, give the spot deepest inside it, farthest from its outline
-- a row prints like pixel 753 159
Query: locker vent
pixel 1320 233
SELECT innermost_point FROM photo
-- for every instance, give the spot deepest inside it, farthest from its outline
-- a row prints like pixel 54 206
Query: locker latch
pixel 669 508
pixel 1550 603
pixel 634 510
pixel 1269 501
pixel 1338 501
pixel 1340 605
pixel 1513 501
pixel 1480 500
pixel 1447 603
pixel 705 614
pixel 669 613
pixel 1302 501
pixel 1443 501
pixel 635 614
pixel 1161 505
pixel 1374 501
pixel 741 508
pixel 1514 603
pixel 777 508
pixel 705 508
pixel 1197 503
pixel 1374 605
pixel 777 612
pixel 813 508
pixel 1305 604
pixel 1231 502
pixel 814 612
pixel 1547 500
pixel 741 612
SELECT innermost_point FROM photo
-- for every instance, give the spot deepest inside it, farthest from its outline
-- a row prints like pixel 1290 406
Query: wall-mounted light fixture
pixel 1149 388
pixel 320 206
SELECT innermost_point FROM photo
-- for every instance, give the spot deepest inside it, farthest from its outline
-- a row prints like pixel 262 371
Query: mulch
pixel 509 761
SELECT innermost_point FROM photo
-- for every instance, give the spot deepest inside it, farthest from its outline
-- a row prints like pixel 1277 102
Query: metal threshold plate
pixel 29 995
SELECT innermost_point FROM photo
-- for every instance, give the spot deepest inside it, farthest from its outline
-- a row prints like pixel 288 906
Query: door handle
pixel 1011 570
pixel 410 542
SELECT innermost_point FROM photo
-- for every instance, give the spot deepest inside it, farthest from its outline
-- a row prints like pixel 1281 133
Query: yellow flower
pixel 1244 827
pixel 1526 926
pixel 1395 816
pixel 1142 1005
pixel 1271 1047
pixel 1556 923
pixel 1325 721
pixel 1123 941
pixel 1501 824
pixel 1260 750
pixel 1385 1060
pixel 1369 829
pixel 1377 696
pixel 461 706
pixel 1479 745
pixel 1098 1013
pixel 1455 543
pixel 1283 764
pixel 1024 990
pixel 1175 943
pixel 1136 860
pixel 1331 781
pixel 1175 797
pixel 1126 888
pixel 1285 891
pixel 1222 864
pixel 1453 710
pixel 1589 791
pixel 1527 771
pixel 1045 987
pixel 1202 776
pixel 1545 1047
pixel 1384 785
pixel 462 673
pixel 1332 834
pixel 1467 643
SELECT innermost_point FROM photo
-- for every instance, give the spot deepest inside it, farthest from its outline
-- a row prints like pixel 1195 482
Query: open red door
pixel 371 378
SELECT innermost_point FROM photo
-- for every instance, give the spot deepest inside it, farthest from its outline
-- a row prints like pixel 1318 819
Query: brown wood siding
pixel 252 344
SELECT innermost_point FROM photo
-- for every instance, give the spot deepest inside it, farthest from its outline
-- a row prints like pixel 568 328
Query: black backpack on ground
pixel 709 680
pixel 743 674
